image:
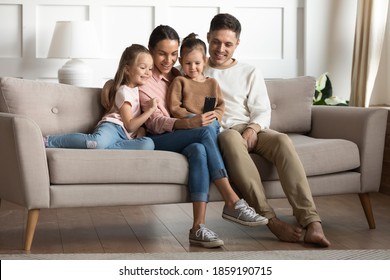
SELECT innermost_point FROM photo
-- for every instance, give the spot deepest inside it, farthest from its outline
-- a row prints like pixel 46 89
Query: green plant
pixel 323 94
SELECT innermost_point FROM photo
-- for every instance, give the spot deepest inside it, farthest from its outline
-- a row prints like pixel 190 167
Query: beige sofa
pixel 341 149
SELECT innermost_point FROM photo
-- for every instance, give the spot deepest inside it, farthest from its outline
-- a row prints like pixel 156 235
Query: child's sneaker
pixel 205 238
pixel 243 214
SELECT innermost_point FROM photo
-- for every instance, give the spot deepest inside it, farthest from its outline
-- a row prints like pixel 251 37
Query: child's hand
pixel 153 104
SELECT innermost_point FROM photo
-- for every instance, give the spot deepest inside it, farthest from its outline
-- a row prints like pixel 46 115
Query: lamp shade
pixel 74 39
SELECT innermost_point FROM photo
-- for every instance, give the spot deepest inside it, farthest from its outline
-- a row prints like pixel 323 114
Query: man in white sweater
pixel 246 129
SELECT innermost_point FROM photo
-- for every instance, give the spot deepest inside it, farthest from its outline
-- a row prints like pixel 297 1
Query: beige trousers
pixel 278 149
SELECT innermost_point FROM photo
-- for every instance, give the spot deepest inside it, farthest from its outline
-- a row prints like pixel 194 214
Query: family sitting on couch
pixel 148 91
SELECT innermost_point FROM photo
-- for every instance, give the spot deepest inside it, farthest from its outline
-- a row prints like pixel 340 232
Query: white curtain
pixel 369 37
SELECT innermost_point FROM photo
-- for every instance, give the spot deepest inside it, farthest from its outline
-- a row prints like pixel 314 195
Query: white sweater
pixel 245 94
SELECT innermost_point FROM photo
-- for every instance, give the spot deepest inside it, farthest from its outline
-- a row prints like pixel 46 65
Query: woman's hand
pixel 250 136
pixel 202 119
pixel 195 121
pixel 208 118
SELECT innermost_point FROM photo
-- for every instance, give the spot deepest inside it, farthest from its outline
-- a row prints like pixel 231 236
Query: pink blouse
pixel 157 87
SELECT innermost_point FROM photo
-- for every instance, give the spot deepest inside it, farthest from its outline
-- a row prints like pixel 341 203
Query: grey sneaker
pixel 243 214
pixel 205 238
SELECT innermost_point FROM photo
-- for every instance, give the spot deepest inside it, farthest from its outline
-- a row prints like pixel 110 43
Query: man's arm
pixel 258 101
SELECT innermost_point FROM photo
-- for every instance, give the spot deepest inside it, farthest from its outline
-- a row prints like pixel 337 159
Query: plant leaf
pixel 327 92
pixel 321 82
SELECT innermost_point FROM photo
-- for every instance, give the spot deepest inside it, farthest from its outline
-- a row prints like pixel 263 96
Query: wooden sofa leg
pixel 366 203
pixel 32 221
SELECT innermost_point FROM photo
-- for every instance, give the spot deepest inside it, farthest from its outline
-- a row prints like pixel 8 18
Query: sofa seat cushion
pixel 73 166
pixel 318 156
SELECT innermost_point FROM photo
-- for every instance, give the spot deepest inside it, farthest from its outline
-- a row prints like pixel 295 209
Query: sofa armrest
pixel 364 126
pixel 24 172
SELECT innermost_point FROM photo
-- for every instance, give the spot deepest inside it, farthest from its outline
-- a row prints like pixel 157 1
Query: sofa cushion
pixel 318 156
pixel 62 108
pixel 291 102
pixel 72 166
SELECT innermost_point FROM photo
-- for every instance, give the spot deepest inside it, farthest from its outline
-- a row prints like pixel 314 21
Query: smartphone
pixel 209 104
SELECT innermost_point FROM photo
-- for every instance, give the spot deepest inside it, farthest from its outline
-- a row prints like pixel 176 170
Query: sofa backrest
pixel 60 108
pixel 291 103
pixel 56 108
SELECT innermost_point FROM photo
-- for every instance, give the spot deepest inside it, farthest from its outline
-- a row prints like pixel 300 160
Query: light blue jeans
pixel 200 147
pixel 106 135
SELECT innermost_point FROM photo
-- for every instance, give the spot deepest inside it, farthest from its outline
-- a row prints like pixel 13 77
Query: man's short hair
pixel 226 21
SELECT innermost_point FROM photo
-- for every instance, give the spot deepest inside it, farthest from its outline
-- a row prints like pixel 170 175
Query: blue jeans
pixel 106 135
pixel 205 160
pixel 198 174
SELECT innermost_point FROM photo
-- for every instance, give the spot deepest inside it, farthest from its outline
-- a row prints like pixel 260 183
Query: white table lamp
pixel 75 40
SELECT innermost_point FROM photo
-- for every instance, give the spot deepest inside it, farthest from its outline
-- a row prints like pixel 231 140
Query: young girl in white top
pixel 121 126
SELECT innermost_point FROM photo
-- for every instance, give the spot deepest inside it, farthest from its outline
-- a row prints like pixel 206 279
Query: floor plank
pixel 47 238
pixel 150 231
pixel 115 234
pixel 164 228
pixel 78 233
pixel 12 221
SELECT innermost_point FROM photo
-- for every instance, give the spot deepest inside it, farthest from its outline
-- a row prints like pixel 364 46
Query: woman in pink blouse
pixel 192 137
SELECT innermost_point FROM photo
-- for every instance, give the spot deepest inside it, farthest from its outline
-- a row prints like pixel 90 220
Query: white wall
pixel 272 36
pixel 330 29
pixel 285 38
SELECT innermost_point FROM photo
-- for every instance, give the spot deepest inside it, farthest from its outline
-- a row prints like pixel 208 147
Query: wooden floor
pixel 164 228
